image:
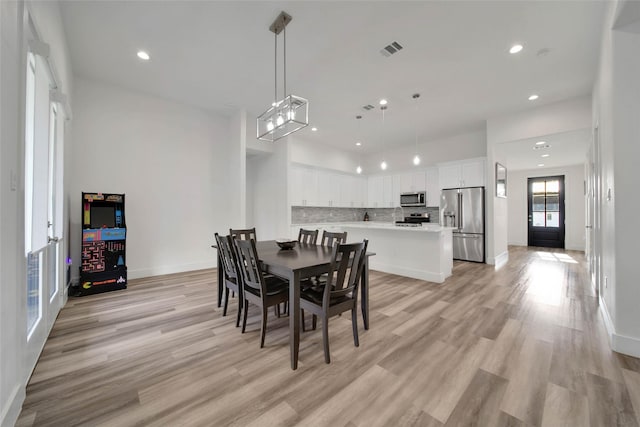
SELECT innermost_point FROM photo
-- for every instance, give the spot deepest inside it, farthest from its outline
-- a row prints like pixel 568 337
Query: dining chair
pixel 243 233
pixel 340 293
pixel 330 238
pixel 248 234
pixel 309 237
pixel 229 273
pixel 263 291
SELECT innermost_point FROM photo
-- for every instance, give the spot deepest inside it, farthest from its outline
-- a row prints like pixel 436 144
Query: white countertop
pixel 426 227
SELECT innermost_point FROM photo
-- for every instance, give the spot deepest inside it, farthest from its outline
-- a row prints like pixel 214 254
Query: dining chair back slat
pixel 309 237
pixel 330 238
pixel 243 233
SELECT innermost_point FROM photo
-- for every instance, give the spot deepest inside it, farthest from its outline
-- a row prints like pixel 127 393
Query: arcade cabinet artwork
pixel 103 244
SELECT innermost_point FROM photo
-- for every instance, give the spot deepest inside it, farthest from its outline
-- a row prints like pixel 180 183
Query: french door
pixel 594 194
pixel 43 207
pixel 546 211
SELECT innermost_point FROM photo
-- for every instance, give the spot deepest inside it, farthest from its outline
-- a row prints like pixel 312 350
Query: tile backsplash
pixel 312 215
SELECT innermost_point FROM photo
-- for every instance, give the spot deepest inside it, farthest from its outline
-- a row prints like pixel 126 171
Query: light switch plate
pixel 14 181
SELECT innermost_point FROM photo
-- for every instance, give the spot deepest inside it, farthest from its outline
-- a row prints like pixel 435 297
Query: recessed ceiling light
pixel 541 142
pixel 383 102
pixel 540 164
pixel 143 55
pixel 515 48
pixel 314 129
pixel 358 143
pixel 533 97
pixel 545 155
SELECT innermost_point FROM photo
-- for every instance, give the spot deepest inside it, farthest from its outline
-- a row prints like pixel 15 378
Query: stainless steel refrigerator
pixel 463 209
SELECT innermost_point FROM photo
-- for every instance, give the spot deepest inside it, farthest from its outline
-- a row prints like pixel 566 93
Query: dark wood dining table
pixel 301 262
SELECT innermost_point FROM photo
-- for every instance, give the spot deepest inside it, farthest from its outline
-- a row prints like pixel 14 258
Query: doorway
pixel 545 197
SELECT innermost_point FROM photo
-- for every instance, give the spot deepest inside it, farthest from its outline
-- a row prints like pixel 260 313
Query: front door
pixel 546 211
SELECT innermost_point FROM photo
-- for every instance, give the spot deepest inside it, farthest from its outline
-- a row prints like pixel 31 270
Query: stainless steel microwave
pixel 418 198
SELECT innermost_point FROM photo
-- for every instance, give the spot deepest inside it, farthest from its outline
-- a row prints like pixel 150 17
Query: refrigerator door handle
pixel 460 212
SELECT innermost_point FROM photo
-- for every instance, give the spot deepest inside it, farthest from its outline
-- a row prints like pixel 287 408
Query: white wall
pixel 456 147
pixel 174 164
pixel 267 179
pixel 322 155
pixel 574 204
pixel 616 105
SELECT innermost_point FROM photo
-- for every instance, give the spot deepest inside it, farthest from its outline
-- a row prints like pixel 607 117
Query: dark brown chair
pixel 330 238
pixel 309 237
pixel 340 293
pixel 243 233
pixel 229 273
pixel 263 291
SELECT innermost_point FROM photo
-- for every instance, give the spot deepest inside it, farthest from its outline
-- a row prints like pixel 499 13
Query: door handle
pixel 52 239
pixel 588 226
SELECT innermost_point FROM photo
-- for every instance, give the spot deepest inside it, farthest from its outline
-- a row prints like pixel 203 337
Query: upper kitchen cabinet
pixel 381 193
pixel 353 191
pixel 432 187
pixel 311 186
pixel 328 188
pixel 412 181
pixel 464 173
pixel 303 186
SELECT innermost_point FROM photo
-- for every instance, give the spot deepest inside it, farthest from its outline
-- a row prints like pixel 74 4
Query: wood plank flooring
pixel 521 346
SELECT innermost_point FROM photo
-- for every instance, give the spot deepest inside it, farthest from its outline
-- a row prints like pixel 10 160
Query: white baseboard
pixel 408 272
pixel 168 269
pixel 619 343
pixel 501 259
pixel 160 270
pixel 13 406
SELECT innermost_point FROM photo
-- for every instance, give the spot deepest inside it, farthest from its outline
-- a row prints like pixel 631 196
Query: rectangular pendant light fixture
pixel 291 113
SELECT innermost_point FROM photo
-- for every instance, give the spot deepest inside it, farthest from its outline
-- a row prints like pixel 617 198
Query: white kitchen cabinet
pixel 411 182
pixel 303 186
pixel 432 187
pixel 374 192
pixel 328 188
pixel 465 173
pixel 353 191
pixel 387 191
pixel 396 189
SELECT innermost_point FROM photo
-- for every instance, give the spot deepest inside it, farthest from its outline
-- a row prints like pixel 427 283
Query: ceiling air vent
pixel 368 107
pixel 391 49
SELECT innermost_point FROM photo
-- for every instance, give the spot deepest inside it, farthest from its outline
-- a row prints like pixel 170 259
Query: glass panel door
pixel 546 211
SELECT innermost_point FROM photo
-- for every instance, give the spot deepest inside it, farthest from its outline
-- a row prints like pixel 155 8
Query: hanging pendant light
pixel 359 145
pixel 416 158
pixel 383 107
pixel 291 113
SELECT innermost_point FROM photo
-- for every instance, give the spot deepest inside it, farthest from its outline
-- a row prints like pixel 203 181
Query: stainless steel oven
pixel 417 198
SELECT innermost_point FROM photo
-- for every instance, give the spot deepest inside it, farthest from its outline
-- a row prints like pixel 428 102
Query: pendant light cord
pixel 275 70
pixel 285 63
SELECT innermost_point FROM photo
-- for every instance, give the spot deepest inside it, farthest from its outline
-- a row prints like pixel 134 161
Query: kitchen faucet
pixel 401 212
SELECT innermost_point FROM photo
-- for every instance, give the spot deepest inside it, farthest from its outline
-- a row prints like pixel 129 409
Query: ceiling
pixel 220 56
pixel 561 149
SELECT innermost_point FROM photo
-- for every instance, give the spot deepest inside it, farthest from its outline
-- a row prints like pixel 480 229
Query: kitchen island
pixel 424 253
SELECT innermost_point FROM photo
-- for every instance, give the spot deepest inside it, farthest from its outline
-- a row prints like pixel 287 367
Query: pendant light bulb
pixel 383 165
pixel 269 125
pixel 279 120
pixel 358 170
pixel 416 158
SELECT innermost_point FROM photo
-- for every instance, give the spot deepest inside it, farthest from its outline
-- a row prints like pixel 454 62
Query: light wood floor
pixel 521 346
